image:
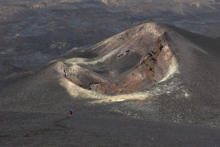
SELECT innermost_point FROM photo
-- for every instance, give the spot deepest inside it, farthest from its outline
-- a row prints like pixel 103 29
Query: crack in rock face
pixel 130 62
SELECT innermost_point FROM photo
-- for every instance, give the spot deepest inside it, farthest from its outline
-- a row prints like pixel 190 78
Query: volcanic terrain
pixel 34 32
pixel 151 85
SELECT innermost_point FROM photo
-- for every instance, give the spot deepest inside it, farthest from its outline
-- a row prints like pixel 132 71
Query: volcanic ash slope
pixel 176 78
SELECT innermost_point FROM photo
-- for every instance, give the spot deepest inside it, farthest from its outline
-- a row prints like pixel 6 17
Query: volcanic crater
pixel 131 61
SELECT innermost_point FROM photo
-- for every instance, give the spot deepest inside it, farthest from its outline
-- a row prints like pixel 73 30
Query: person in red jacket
pixel 70 112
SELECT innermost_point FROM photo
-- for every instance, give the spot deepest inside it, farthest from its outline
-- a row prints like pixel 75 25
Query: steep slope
pixel 209 44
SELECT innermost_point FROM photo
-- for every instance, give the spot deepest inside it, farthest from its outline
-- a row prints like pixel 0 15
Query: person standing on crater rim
pixel 70 112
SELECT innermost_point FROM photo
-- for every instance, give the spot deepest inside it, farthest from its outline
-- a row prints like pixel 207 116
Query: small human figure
pixel 70 112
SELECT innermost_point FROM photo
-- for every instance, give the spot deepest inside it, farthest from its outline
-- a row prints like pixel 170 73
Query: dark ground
pixel 34 107
pixel 97 127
